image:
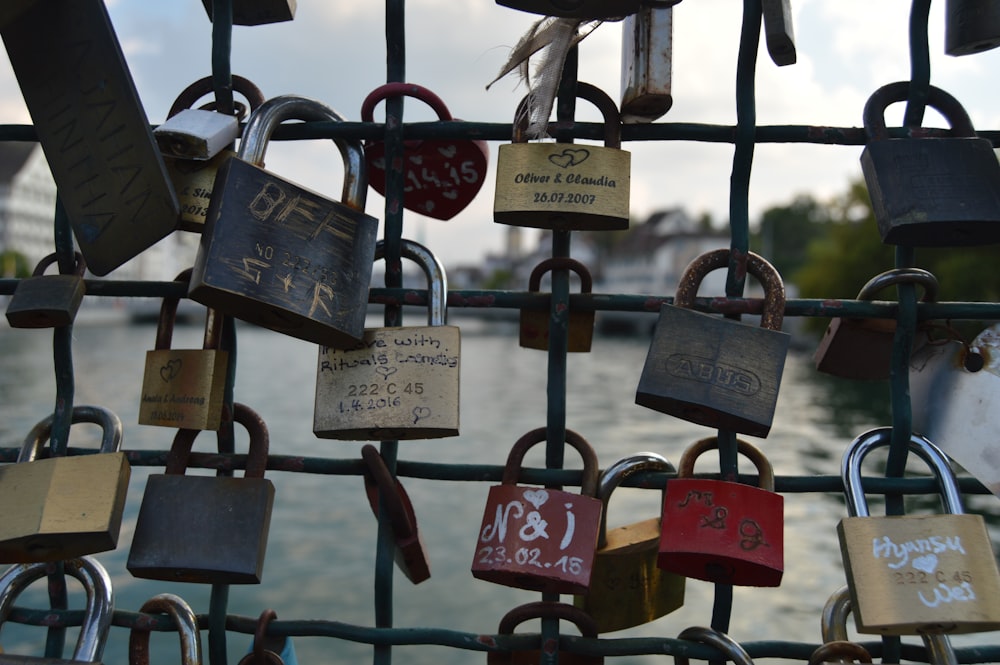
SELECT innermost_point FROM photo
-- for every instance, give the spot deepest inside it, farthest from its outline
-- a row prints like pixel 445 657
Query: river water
pixel 321 548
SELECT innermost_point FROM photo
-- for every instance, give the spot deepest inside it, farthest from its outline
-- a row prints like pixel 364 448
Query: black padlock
pixel 51 301
pixel 971 26
pixel 931 192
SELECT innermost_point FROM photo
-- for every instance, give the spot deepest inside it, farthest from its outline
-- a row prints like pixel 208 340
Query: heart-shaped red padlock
pixel 441 176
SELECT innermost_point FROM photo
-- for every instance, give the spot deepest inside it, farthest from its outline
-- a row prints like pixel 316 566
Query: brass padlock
pixel 257 12
pixel 205 529
pixel 544 610
pixel 626 586
pixel 193 175
pixel 911 574
pixel 855 348
pixel 970 26
pixel 98 611
pixel 64 507
pixel 184 388
pixel 535 323
pixel 281 256
pixel 187 629
pixel 51 301
pixel 397 383
pixel 564 186
pixel 647 59
pixel 712 371
pixel 732 649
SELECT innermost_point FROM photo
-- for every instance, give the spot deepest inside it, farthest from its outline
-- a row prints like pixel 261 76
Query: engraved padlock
pixel 565 186
pixel 713 371
pixel 911 574
pixel 544 610
pixel 98 609
pixel 647 59
pixel 858 348
pixel 535 538
pixel 723 531
pixel 970 26
pixel 397 383
pixel 930 191
pixel 732 649
pixel 441 177
pixel 627 588
pixel 184 388
pixel 185 622
pixel 279 255
pixel 64 507
pixel 196 142
pixel 47 301
pixel 205 529
pixel 257 12
pixel 535 323
pixel 581 9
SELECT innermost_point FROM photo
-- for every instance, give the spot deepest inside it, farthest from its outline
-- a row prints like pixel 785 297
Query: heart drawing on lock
pixel 926 563
pixel 385 372
pixel 570 157
pixel 537 498
pixel 170 371
pixel 419 413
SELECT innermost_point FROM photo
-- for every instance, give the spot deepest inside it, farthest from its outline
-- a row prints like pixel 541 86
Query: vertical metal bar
pixel 62 345
pixel 920 64
pixel 55 637
pixel 222 47
pixel 217 608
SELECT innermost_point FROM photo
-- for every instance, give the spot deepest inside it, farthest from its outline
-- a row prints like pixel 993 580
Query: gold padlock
pixel 534 332
pixel 562 186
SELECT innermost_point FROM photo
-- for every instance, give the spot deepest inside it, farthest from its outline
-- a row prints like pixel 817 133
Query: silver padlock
pixel 196 134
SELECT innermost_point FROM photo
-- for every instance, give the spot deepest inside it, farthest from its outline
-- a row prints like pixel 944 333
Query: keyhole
pixel 974 361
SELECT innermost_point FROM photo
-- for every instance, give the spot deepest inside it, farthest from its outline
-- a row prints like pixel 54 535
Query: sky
pixel 334 51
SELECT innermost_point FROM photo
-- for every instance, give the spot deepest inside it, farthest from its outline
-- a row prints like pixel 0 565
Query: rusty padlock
pixel 723 531
pixel 647 59
pixel 410 554
pixel 64 507
pixel 856 348
pixel 535 323
pixel 713 371
pixel 205 529
pixel 911 574
pixel 257 12
pixel 441 177
pixel 281 256
pixel 187 629
pixel 47 301
pixel 732 649
pixel 544 610
pixel 568 187
pixel 535 538
pixel 269 649
pixel 970 26
pixel 930 191
pixel 184 388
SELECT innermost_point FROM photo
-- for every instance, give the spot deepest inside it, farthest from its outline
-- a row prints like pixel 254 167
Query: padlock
pixel 441 177
pixel 544 610
pixel 953 400
pixel 565 186
pixel 397 383
pixel 92 128
pixel 184 388
pixel 281 256
pixel 732 649
pixel 931 192
pixel 580 9
pixel 410 554
pixel 100 605
pixel 534 323
pixel 269 649
pixel 205 529
pixel 911 574
pixel 193 175
pixel 257 12
pixel 712 371
pixel 187 629
pixel 51 301
pixel 647 59
pixel 535 538
pixel 778 31
pixel 970 26
pixel 723 531
pixel 858 348
pixel 626 586
pixel 64 507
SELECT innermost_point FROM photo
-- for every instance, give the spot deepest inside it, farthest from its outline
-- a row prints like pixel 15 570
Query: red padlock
pixel 723 531
pixel 536 538
pixel 440 176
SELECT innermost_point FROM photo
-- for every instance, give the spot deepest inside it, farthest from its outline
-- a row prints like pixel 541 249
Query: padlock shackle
pixel 944 103
pixel 594 95
pixel 765 472
pixel 833 620
pixel 850 469
pixel 398 89
pixel 97 611
pixel 180 450
pixel 168 315
pixel 721 641
pixel 548 609
pixel 560 263
pixel 840 651
pixel 184 620
pixel 774 289
pixel 259 655
pixel 276 110
pixel 111 424
pixel 378 477
pixel 939 649
pixel 437 278
pixel 206 86
pixel 613 476
pixel 901 276
pixel 79 269
pixel 588 486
